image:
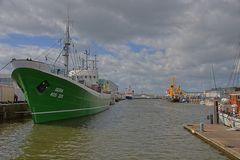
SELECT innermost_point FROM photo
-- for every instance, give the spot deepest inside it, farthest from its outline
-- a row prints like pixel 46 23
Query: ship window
pixel 81 81
pixel 94 77
pixel 238 97
pixel 85 76
pixel 42 86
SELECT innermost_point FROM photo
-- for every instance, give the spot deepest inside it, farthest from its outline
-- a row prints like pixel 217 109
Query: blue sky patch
pixel 139 47
pixel 97 49
pixel 163 50
pixel 136 47
pixel 14 39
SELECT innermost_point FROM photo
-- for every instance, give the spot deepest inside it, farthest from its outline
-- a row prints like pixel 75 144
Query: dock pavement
pixel 221 137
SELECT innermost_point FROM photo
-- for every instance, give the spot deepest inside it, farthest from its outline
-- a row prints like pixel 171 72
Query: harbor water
pixel 130 130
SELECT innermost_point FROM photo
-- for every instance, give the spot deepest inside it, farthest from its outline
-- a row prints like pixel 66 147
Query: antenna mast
pixel 95 62
pixel 66 47
pixel 87 54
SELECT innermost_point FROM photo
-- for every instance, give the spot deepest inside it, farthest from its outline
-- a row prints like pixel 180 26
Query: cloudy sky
pixel 141 43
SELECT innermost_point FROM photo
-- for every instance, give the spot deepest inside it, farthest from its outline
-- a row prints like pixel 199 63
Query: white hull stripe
pixel 69 110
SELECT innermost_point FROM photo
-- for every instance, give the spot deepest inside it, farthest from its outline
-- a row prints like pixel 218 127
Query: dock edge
pixel 219 146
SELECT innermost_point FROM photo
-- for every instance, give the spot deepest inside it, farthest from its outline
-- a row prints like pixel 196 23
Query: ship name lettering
pixel 59 90
pixel 60 96
pixel 53 94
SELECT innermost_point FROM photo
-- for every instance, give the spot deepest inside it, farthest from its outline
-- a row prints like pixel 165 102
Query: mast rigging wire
pixel 5 65
pixel 47 51
pixel 234 76
pixel 57 57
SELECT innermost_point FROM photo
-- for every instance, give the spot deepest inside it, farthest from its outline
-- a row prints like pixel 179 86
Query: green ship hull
pixel 51 97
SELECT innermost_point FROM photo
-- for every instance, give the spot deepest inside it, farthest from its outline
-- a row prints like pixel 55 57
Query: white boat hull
pixel 229 121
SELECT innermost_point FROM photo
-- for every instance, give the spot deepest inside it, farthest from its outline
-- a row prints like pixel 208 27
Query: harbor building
pixel 216 94
pixel 194 97
pixel 111 85
pixel 6 79
pixel 9 91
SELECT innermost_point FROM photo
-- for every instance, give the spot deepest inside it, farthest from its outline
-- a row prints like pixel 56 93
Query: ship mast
pixel 66 47
pixel 214 81
pixel 95 65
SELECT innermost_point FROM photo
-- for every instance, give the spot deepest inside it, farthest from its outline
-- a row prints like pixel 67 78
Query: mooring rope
pixel 5 65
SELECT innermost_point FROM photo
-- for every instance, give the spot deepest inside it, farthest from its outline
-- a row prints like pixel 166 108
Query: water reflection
pixel 58 140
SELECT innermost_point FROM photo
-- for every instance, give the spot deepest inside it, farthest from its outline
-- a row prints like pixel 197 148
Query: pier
pixel 219 136
pixel 13 111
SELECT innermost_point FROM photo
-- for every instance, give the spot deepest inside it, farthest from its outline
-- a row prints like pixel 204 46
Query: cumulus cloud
pixel 181 38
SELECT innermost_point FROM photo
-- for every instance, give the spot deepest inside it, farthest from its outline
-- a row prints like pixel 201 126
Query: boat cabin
pixel 235 99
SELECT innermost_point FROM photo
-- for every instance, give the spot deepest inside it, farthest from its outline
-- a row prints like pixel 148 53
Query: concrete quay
pixel 223 138
pixel 13 111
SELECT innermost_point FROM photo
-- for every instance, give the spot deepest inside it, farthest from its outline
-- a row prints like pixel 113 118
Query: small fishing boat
pixel 130 93
pixel 229 110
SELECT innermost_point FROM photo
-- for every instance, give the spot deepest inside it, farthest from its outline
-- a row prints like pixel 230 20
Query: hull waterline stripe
pixel 70 110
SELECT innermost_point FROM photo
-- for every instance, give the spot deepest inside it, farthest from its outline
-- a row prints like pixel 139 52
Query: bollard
pixel 4 113
pixel 201 127
pixel 233 125
pixel 211 119
pixel 215 112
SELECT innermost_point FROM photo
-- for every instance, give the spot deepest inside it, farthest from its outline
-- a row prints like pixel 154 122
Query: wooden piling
pixel 14 111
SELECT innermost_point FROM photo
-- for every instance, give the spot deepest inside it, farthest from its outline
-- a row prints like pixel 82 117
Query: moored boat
pixel 174 94
pixel 56 94
pixel 229 110
pixel 130 93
